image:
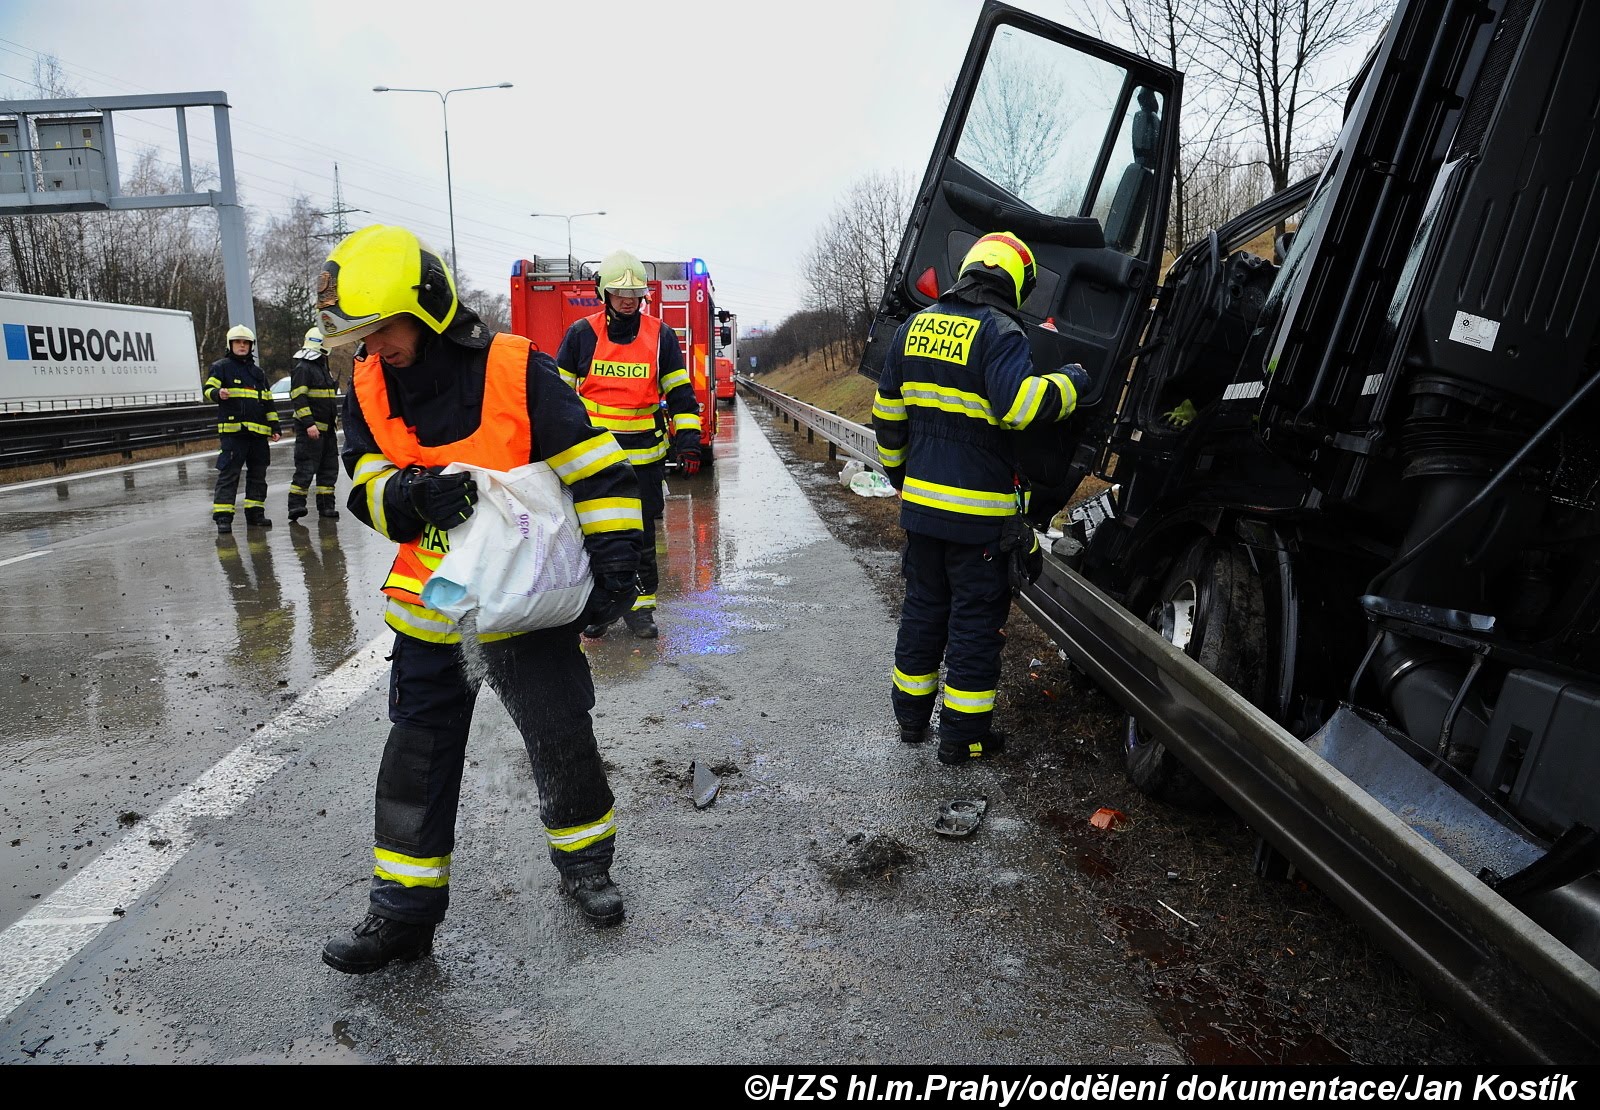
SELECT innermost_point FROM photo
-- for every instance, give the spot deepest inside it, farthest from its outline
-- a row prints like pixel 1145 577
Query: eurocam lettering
pixel 45 343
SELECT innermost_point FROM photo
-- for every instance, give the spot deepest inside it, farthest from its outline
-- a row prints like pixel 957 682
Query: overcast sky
pixel 717 129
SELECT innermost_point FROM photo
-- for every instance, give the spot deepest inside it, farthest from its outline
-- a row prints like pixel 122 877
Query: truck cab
pixel 1353 474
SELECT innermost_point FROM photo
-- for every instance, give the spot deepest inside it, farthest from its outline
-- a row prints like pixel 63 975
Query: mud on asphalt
pixel 1238 969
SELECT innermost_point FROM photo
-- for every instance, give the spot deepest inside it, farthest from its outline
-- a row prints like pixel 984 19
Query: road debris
pixel 960 816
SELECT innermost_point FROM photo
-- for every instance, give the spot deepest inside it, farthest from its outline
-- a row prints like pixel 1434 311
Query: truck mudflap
pixel 1503 973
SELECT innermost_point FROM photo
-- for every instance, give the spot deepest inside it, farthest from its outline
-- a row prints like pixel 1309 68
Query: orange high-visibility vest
pixel 623 376
pixel 502 440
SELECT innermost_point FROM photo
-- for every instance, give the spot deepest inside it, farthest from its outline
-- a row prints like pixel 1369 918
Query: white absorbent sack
pixel 518 562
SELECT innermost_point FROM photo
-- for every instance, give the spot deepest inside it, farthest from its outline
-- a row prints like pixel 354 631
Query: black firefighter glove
pixel 1079 377
pixel 1020 545
pixel 612 596
pixel 443 500
pixel 688 449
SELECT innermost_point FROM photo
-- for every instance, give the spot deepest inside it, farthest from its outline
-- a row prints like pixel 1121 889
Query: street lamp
pixel 449 191
pixel 569 219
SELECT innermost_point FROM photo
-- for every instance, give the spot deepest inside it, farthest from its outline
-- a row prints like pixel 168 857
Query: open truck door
pixel 1069 143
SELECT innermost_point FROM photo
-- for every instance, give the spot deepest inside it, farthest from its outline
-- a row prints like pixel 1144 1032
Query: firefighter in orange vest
pixel 433 385
pixel 623 362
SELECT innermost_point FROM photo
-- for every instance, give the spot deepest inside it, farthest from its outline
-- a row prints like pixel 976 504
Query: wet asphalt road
pixel 192 731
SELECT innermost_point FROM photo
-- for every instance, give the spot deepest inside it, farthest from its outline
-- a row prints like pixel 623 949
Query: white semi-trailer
pixel 60 354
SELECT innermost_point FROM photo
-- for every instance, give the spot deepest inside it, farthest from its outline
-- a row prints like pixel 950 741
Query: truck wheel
pixel 1210 606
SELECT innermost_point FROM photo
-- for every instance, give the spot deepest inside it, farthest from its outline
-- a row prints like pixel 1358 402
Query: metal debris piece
pixel 706 784
pixel 959 816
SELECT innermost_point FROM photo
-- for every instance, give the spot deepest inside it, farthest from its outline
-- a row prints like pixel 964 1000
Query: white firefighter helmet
pixel 623 274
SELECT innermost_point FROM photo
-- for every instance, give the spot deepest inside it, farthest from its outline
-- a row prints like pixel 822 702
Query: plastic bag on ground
pixel 518 563
pixel 850 470
pixel 869 483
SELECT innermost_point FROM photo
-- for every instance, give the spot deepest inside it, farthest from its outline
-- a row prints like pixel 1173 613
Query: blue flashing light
pixel 699 267
pixel 516 268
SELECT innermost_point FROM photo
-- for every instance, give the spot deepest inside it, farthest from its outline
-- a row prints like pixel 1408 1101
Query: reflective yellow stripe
pixel 888 408
pixel 329 393
pixel 915 684
pixel 930 396
pixel 620 420
pixel 581 836
pixel 968 701
pixel 433 871
pixel 1026 405
pixel 1069 393
pixel 589 457
pixel 891 458
pixel 421 623
pixel 609 514
pixel 682 420
pixel 647 455
pixel 568 376
pixel 672 381
pixel 645 601
pixel 971 502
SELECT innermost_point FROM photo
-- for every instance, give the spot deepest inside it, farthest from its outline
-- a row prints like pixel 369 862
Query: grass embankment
pixel 828 381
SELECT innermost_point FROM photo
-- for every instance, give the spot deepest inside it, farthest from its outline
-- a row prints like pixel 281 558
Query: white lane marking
pixel 20 558
pixel 39 943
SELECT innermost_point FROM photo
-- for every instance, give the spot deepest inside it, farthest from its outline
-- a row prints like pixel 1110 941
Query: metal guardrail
pixel 31 438
pixel 841 435
pixel 1494 967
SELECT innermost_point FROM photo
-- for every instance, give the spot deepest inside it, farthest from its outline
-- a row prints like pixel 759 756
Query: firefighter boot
pixel 325 507
pixel 642 623
pixel 224 523
pixel 375 942
pixel 597 630
pixel 955 752
pixel 297 506
pixel 913 734
pixel 257 518
pixel 597 896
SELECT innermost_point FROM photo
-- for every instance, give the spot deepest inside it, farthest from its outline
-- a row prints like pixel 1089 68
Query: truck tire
pixel 1210 605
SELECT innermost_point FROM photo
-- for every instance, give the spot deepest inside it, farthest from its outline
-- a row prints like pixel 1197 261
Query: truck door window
pixel 1039 122
pixel 1122 204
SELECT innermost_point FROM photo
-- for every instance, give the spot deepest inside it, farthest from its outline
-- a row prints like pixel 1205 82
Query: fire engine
pixel 549 295
pixel 728 356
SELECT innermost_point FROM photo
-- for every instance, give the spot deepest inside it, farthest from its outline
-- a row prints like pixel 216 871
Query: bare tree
pixel 1272 53
pixel 1172 32
pixel 852 257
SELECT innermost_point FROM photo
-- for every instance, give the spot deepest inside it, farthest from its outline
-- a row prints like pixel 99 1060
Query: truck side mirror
pixel 726 335
pixel 723 317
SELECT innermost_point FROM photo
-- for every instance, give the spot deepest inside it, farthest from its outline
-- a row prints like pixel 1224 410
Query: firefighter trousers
pixel 956 603
pixel 314 460
pixel 652 505
pixel 543 680
pixel 250 453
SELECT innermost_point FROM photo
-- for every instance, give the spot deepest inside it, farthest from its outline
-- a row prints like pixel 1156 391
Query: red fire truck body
pixel 547 298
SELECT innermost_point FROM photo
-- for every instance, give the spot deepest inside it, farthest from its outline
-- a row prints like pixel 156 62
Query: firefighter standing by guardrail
pixel 314 393
pixel 958 376
pixel 433 385
pixel 623 363
pixel 247 422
